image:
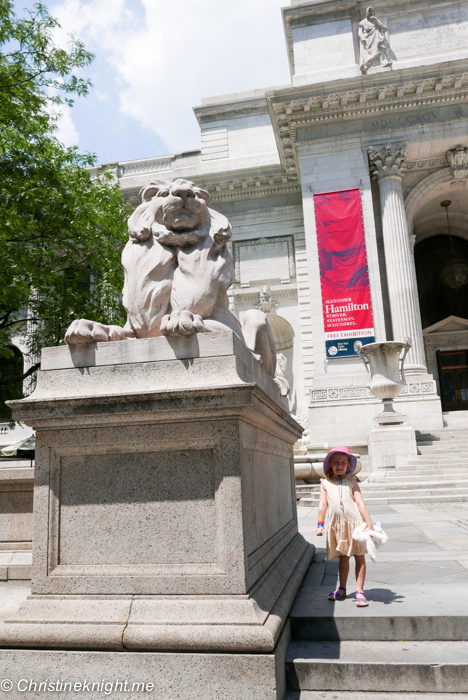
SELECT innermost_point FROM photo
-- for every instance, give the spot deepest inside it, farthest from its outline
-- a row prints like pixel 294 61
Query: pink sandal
pixel 361 602
pixel 336 595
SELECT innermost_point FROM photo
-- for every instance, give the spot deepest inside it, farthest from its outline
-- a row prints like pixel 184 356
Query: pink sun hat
pixel 343 450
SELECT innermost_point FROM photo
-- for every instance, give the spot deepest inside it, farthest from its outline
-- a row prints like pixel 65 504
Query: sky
pixel 156 59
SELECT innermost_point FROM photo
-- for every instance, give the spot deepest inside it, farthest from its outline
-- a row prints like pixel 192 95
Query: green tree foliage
pixel 61 228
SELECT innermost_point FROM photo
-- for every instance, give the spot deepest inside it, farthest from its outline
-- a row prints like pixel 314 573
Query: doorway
pixel 453 375
pixel 437 299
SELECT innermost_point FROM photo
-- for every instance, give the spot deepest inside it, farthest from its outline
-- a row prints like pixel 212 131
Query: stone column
pixel 385 166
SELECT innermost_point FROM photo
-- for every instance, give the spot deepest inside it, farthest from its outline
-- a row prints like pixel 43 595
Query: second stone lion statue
pixel 178 269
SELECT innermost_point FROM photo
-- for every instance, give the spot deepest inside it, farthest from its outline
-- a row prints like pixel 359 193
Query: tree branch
pixel 4 325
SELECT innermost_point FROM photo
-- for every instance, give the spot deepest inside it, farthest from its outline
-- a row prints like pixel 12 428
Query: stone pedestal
pixel 392 441
pixel 164 506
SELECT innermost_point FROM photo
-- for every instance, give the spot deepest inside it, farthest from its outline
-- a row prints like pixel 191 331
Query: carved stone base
pixel 389 416
pixel 161 675
pixel 392 418
pixel 392 445
pixel 224 624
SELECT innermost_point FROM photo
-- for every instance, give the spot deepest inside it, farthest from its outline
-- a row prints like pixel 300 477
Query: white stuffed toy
pixel 373 538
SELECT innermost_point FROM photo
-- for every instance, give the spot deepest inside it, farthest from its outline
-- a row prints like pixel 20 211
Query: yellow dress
pixel 344 517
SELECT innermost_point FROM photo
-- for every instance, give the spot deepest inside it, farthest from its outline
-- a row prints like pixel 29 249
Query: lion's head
pixel 175 213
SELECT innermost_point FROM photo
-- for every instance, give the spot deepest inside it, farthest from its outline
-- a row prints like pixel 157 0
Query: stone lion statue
pixel 178 269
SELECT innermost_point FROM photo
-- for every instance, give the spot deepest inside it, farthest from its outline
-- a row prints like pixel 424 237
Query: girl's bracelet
pixel 320 524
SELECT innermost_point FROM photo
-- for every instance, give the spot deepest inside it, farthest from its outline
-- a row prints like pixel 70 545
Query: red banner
pixel 344 276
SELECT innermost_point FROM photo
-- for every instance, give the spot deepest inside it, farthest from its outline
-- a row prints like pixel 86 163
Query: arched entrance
pixel 439 294
pixel 441 261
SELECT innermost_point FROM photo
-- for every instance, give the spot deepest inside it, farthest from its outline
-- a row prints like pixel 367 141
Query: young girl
pixel 340 491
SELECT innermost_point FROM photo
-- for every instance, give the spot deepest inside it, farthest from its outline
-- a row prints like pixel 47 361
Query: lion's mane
pixel 148 218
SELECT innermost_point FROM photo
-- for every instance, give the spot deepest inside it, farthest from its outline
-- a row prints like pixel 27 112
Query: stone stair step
pixel 441 457
pixel 391 486
pixel 389 476
pixel 447 457
pixel 433 464
pixel 432 478
pixel 455 419
pixel 421 479
pixel 423 466
pixel 439 461
pixel 444 442
pixel 447 439
pixel 409 497
pixel 444 434
pixel 420 472
pixel 450 442
pixel 413 473
pixel 425 450
pixel 446 454
pixel 423 613
pixel 351 695
pixel 423 667
pixel 413 486
pixel 15 565
pixel 418 469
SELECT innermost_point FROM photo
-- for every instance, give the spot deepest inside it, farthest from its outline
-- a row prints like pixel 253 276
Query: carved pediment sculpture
pixel 266 302
pixel 458 161
pixel 178 269
pixel 374 46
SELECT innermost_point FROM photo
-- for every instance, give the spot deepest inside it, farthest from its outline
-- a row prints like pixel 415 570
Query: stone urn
pixel 385 364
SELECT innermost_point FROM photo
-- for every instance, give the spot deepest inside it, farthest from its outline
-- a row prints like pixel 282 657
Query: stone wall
pixel 323 39
pixel 333 40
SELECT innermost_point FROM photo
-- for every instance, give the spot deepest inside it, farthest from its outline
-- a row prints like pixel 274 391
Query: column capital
pixel 386 160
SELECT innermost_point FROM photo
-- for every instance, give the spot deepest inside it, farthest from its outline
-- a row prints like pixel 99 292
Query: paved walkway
pixel 428 545
pixel 416 589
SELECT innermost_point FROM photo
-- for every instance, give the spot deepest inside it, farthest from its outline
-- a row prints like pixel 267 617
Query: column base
pixel 412 370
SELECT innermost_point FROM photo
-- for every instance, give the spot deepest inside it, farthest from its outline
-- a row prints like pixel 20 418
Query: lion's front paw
pixel 182 323
pixel 82 332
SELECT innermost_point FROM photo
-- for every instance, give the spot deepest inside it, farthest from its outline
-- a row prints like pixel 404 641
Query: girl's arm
pixel 322 509
pixel 361 507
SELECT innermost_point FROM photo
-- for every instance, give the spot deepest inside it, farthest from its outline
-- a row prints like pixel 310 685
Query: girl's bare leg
pixel 344 571
pixel 360 571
